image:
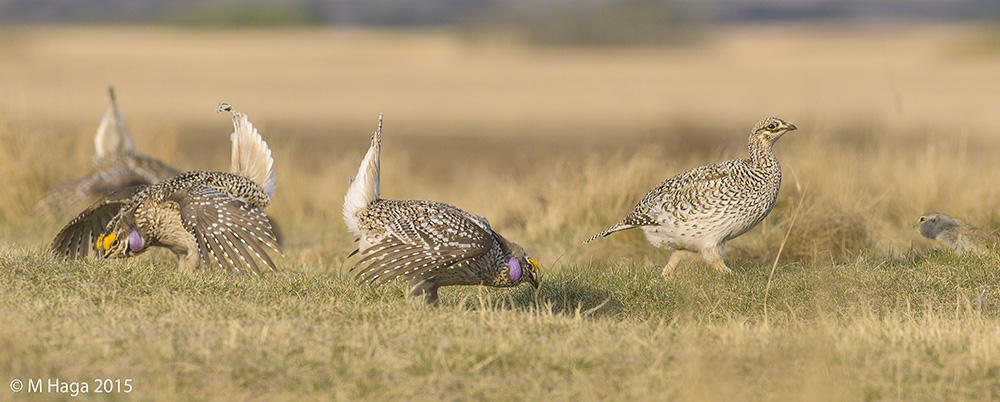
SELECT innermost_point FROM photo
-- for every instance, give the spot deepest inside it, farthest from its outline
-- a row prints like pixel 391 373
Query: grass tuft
pixel 857 307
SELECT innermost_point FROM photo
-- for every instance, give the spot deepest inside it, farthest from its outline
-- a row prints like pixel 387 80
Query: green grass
pixel 552 148
pixel 875 328
pixel 852 313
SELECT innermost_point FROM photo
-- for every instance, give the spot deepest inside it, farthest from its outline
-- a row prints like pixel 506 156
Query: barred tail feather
pixel 251 156
pixel 615 228
pixel 112 135
pixel 364 187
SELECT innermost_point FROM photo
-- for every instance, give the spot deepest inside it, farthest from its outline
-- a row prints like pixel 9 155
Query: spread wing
pixel 86 188
pixel 228 231
pixel 79 235
pixel 445 239
pixel 112 173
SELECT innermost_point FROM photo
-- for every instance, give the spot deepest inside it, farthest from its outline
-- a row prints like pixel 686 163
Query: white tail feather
pixel 364 187
pixel 251 157
pixel 112 135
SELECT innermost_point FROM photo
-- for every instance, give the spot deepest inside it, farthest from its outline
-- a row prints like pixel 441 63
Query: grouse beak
pixel 791 127
pixel 532 273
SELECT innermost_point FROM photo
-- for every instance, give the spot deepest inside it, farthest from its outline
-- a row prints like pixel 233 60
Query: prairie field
pixel 834 296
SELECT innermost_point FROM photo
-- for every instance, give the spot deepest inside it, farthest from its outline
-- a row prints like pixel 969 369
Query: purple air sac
pixel 515 269
pixel 135 242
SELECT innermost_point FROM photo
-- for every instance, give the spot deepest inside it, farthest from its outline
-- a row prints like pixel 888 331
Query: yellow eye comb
pixel 104 242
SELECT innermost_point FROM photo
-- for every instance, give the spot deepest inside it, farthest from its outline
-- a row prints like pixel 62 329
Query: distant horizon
pixel 490 13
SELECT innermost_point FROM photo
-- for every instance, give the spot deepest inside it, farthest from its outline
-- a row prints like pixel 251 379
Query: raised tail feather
pixel 112 135
pixel 251 157
pixel 364 187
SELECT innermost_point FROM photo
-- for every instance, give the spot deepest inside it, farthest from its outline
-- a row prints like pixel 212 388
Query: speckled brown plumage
pixel 114 166
pixel 431 244
pixel 210 217
pixel 703 208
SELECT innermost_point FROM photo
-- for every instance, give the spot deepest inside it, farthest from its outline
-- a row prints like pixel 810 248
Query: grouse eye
pixel 771 126
pixel 114 242
pixel 923 219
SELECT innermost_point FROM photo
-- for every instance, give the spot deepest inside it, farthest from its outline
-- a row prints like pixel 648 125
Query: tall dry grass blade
pixel 791 224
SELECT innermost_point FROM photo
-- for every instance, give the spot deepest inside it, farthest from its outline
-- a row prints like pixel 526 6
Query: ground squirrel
pixel 954 234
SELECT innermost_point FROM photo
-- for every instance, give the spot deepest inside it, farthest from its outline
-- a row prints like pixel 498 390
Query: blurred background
pixel 606 20
pixel 534 113
pixel 516 63
pixel 551 118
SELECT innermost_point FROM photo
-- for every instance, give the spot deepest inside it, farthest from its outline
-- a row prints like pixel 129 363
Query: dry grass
pixel 552 145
